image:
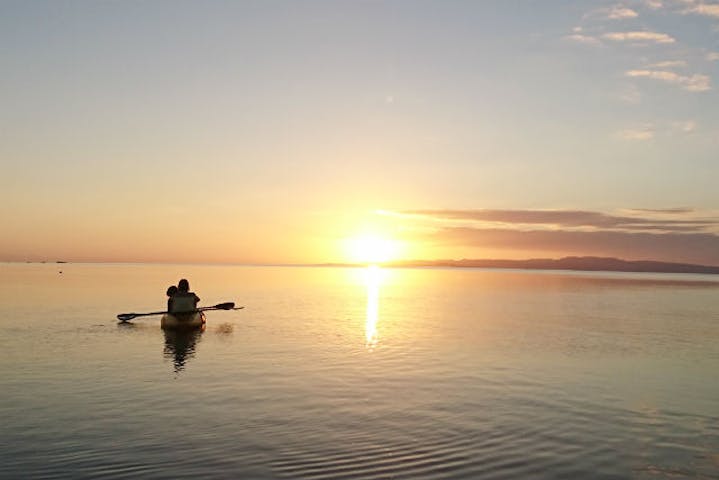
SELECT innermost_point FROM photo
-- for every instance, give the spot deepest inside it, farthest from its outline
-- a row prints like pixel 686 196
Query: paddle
pixel 124 317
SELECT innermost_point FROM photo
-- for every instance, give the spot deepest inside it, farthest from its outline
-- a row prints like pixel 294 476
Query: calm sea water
pixel 351 373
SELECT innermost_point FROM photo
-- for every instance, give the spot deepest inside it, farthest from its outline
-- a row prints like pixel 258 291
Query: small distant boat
pixel 183 321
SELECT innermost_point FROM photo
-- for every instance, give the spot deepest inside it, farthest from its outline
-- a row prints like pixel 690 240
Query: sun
pixel 372 249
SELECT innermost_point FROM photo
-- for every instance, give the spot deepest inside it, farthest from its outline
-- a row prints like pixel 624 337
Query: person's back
pixel 184 300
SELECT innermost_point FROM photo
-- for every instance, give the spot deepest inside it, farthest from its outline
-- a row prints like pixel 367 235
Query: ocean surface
pixel 332 373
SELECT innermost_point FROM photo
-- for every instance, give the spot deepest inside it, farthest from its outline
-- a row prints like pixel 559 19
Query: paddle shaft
pixel 124 317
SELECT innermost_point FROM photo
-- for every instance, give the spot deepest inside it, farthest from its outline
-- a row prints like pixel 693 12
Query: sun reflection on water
pixel 373 277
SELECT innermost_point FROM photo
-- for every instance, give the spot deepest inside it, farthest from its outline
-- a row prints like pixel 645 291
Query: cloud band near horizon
pixel 673 234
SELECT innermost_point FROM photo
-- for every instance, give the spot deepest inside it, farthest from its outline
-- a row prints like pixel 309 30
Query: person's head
pixel 171 291
pixel 183 286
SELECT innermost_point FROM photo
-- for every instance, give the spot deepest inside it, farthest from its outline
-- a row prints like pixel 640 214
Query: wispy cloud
pixel 630 94
pixel 705 9
pixel 693 83
pixel 644 132
pixel 686 7
pixel 712 56
pixel 649 130
pixel 615 12
pixel 654 4
pixel 673 210
pixel 583 39
pixel 639 37
pixel 563 219
pixel 668 64
pixel 687 126
pixel 619 12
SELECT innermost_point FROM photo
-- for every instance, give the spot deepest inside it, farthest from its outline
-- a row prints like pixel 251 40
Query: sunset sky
pixel 282 131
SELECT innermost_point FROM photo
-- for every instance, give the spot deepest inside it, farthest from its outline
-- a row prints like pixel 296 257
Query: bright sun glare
pixel 372 249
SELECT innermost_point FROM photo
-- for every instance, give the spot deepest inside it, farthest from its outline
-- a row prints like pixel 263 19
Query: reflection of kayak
pixel 181 345
pixel 183 320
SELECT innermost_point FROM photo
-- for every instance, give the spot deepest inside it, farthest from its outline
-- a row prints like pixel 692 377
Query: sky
pixel 278 131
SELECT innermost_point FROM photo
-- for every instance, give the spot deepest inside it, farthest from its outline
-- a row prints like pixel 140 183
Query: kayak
pixel 178 321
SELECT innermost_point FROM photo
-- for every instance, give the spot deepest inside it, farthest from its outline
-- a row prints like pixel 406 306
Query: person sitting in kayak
pixel 183 300
pixel 171 291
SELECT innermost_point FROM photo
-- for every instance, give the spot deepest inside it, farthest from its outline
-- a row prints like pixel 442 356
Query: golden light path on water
pixel 373 276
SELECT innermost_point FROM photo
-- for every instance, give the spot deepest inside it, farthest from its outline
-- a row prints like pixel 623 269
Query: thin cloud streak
pixel 687 7
pixel 639 36
pixel 705 9
pixel 583 39
pixel 688 126
pixel 630 94
pixel 641 133
pixel 621 13
pixel 675 210
pixel 573 219
pixel 668 64
pixel 694 83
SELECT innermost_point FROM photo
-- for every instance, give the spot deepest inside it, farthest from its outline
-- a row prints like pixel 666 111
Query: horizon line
pixel 411 263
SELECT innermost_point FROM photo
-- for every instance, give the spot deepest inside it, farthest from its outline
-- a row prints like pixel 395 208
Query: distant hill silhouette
pixel 567 263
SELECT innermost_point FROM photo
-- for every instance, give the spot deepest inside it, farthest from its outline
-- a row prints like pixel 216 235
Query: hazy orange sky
pixel 271 132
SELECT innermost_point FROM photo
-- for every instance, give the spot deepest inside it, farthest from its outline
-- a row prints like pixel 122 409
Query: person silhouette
pixel 171 291
pixel 183 300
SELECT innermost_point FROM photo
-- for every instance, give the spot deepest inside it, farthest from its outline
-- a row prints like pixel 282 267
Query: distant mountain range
pixel 567 263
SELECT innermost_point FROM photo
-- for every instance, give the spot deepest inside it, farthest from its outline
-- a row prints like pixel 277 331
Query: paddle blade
pixel 225 306
pixel 124 317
